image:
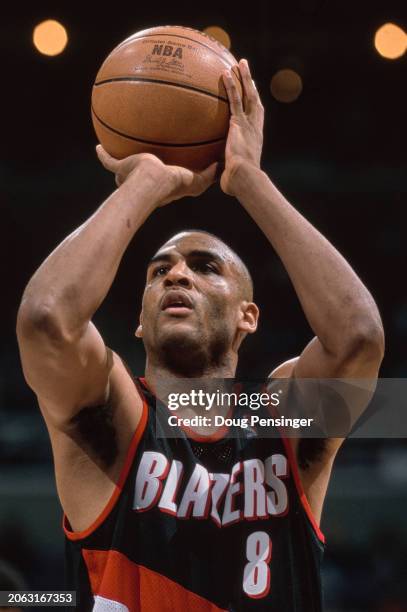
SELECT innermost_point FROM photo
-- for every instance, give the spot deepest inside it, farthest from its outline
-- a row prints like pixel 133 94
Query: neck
pixel 156 371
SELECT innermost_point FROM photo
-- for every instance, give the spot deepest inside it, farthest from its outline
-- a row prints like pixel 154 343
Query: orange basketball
pixel 161 91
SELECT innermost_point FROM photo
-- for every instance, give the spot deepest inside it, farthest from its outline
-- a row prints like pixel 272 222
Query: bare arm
pixel 340 310
pixel 64 358
pixel 338 307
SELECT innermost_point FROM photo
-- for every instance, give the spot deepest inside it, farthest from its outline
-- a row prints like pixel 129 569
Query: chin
pixel 183 350
pixel 180 336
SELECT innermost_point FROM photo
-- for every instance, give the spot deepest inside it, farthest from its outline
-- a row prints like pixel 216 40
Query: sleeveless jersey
pixel 199 526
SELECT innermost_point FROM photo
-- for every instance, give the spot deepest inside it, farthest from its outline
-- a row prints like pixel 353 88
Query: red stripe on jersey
pixel 297 480
pixel 114 577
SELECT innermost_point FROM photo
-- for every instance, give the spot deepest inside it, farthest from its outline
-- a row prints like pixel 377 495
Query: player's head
pixel 197 305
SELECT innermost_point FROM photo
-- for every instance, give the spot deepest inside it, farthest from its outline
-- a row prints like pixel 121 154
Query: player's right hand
pixel 176 182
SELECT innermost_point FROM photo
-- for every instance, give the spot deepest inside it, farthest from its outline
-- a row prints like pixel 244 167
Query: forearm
pixel 336 303
pixel 73 281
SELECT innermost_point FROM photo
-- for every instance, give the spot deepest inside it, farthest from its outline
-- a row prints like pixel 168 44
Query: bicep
pixel 317 362
pixel 66 375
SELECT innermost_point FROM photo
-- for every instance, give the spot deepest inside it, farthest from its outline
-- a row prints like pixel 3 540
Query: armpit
pixel 94 431
pixel 310 450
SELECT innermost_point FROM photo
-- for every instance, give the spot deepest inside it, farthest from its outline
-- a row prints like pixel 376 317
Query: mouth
pixel 177 303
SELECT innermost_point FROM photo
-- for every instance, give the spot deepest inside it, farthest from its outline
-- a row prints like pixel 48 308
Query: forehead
pixel 186 242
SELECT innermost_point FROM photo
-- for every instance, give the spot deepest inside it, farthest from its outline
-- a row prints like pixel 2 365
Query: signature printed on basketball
pixel 164 63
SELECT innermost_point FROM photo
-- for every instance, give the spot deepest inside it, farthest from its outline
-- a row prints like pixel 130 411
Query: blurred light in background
pixel 220 35
pixel 50 37
pixel 390 41
pixel 286 85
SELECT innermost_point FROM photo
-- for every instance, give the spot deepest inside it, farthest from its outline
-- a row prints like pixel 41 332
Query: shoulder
pixel 308 451
pixel 285 369
pixel 104 429
pixel 99 434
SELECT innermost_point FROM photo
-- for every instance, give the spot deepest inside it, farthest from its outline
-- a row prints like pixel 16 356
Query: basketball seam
pixel 153 142
pixel 160 82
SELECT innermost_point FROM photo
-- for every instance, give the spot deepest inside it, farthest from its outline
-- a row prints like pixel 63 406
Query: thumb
pixel 207 177
pixel 107 161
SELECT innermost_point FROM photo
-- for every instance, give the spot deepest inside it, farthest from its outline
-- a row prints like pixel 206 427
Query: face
pixel 193 312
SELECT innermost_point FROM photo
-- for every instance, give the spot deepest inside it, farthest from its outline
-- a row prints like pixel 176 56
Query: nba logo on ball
pixel 167 50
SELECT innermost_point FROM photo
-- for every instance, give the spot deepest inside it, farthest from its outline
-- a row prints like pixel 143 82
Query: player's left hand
pixel 245 138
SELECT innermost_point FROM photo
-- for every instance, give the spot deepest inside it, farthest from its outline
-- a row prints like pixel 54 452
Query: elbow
pixel 365 342
pixel 39 320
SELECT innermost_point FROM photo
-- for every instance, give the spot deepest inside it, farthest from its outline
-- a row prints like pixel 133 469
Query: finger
pixel 235 100
pixel 251 94
pixel 198 182
pixel 210 174
pixel 206 178
pixel 107 161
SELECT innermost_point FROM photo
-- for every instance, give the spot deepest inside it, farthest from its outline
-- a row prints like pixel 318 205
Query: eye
pixel 204 267
pixel 159 271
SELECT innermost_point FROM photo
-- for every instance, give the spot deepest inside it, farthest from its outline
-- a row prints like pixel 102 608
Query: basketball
pixel 161 91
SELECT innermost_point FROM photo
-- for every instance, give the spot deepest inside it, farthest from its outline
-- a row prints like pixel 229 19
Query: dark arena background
pixel 335 144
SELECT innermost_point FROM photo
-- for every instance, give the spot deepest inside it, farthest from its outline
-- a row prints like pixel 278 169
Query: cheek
pixel 150 298
pixel 149 308
pixel 224 308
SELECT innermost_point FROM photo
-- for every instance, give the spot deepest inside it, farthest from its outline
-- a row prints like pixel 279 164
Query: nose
pixel 178 275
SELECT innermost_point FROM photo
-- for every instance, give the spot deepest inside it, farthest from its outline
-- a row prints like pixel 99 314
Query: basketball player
pixel 158 524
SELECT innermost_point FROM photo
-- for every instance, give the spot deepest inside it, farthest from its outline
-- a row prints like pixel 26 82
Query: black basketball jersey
pixel 200 526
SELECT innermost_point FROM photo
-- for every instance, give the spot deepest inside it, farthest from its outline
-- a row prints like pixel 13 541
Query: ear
pixel 249 318
pixel 139 331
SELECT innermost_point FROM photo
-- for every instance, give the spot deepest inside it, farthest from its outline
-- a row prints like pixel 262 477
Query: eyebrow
pixel 195 253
